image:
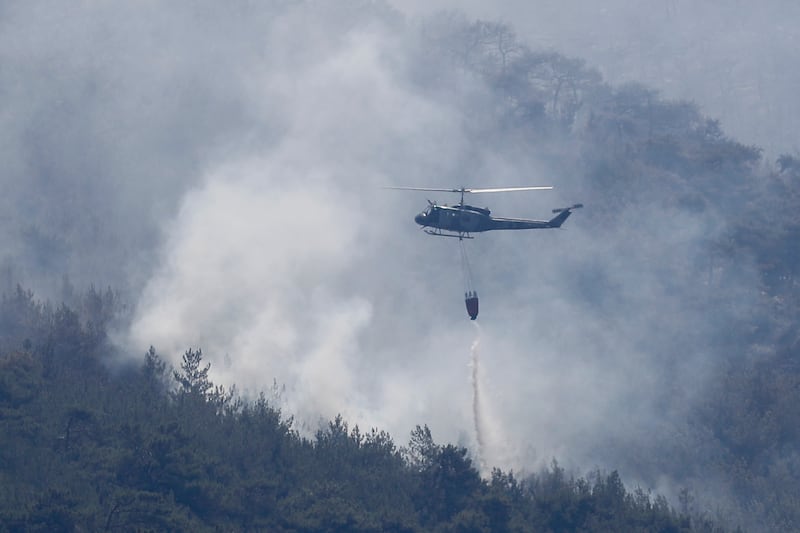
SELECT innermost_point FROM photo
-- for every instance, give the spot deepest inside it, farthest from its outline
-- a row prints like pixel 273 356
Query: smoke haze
pixel 730 58
pixel 223 164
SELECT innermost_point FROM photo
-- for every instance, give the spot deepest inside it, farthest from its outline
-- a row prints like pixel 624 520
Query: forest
pixel 94 436
pixel 152 448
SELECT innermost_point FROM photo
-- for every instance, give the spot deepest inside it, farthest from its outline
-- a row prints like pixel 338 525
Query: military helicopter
pixel 461 220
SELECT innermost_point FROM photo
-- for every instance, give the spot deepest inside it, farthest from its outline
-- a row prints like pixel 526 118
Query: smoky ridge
pixel 241 216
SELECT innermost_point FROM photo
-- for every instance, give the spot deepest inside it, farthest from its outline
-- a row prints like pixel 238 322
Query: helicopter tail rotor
pixel 561 209
pixel 563 214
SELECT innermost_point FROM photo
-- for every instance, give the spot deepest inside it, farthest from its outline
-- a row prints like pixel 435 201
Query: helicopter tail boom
pixel 521 223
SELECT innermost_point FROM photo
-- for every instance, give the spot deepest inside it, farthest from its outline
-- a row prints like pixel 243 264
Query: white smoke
pixel 277 264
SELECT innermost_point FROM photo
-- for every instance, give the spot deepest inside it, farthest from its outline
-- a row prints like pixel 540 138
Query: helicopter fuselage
pixel 465 219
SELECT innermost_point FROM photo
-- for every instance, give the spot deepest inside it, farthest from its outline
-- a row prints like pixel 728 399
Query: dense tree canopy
pixel 85 448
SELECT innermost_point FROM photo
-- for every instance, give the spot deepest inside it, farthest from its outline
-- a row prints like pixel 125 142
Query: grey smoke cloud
pixel 277 264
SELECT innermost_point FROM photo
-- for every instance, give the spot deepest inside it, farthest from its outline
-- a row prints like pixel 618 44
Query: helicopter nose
pixel 420 219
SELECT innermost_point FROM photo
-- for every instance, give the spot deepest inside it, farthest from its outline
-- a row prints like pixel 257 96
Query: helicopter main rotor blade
pixel 512 189
pixel 470 190
pixel 423 189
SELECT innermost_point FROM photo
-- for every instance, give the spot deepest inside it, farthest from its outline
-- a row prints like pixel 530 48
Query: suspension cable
pixel 466 269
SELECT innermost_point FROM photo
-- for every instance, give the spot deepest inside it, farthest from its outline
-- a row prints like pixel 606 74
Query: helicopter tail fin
pixel 563 214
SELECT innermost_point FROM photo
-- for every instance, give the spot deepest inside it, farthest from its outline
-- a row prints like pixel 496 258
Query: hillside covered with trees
pixel 150 448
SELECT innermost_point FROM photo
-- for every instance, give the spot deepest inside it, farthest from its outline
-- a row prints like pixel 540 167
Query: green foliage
pixel 132 452
pixel 193 380
pixel 20 378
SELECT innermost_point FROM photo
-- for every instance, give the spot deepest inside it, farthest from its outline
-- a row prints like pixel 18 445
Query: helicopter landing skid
pixel 440 234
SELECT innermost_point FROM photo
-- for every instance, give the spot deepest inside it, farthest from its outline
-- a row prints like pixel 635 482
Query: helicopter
pixel 461 220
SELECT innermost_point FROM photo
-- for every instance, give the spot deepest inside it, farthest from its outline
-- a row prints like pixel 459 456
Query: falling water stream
pixel 477 407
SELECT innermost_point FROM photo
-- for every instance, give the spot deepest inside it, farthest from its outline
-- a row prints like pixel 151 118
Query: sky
pixel 223 166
